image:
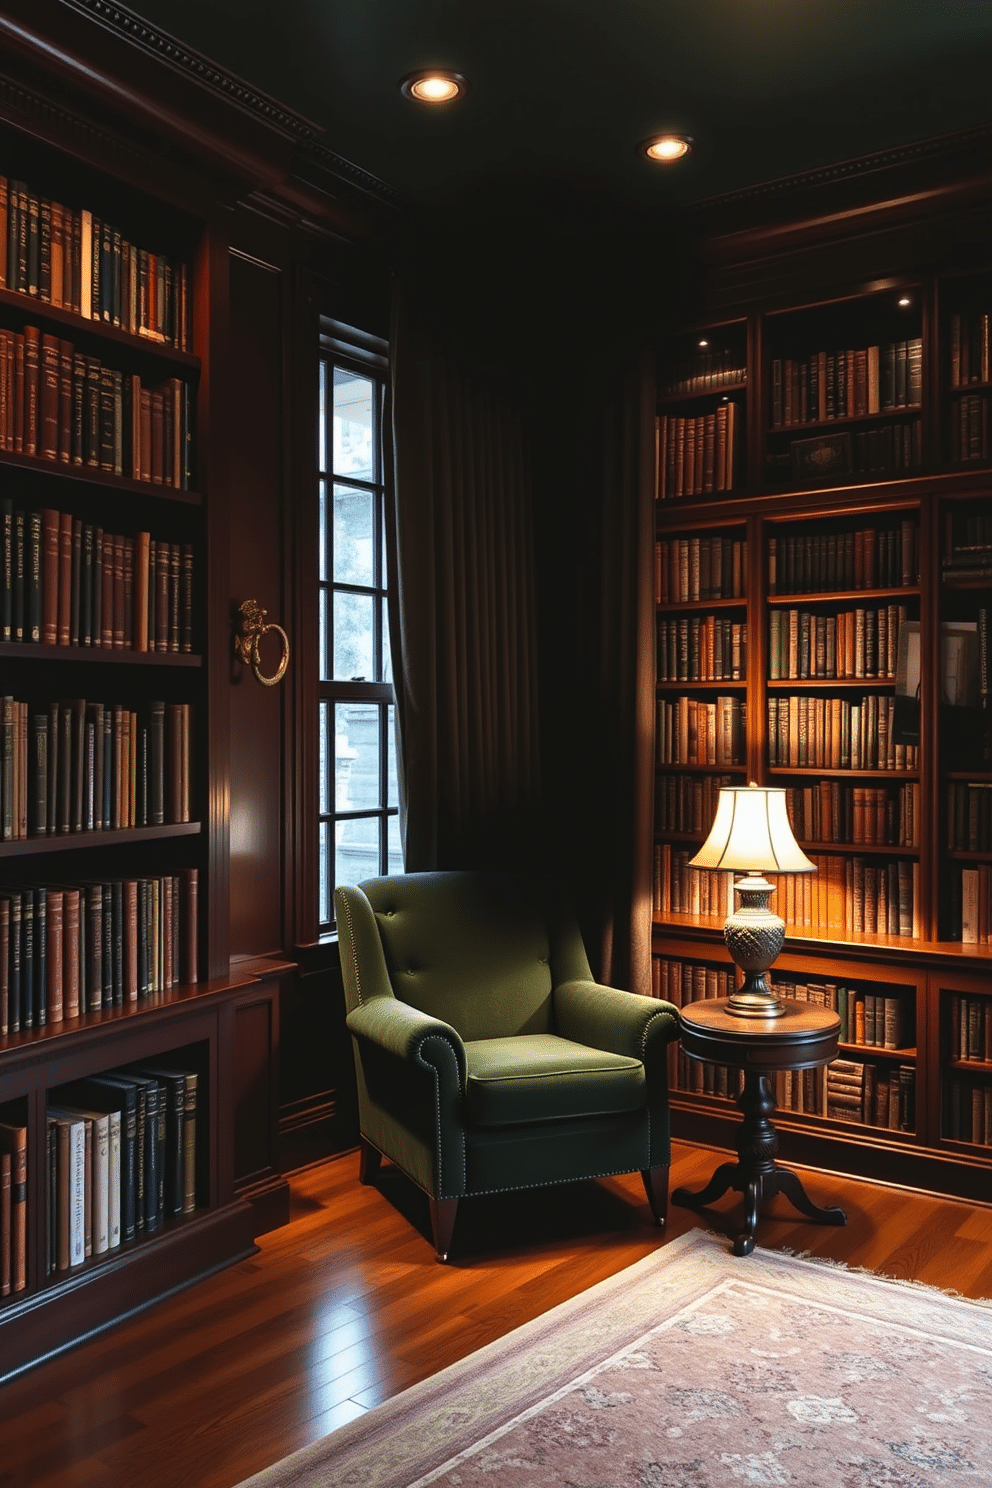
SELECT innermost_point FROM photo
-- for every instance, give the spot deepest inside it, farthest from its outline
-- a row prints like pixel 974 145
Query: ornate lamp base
pixel 754 936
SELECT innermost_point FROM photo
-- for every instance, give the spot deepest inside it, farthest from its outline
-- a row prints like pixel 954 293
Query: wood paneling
pixel 256 573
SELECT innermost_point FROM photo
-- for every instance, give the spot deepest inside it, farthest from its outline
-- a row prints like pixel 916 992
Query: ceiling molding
pixel 340 168
pixel 891 159
pixel 196 67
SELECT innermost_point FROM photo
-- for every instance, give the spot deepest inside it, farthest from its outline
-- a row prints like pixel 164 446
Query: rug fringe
pixel 900 1281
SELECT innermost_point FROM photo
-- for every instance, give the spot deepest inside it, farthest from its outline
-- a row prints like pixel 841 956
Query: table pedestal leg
pixel 756 1174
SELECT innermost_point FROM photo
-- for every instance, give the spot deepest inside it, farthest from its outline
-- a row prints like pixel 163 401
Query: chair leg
pixel 443 1213
pixel 369 1158
pixel 656 1188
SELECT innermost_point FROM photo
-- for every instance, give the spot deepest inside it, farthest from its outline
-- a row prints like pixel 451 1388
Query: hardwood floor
pixel 346 1305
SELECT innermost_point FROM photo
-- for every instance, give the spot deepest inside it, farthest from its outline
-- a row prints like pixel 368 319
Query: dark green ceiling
pixel 562 91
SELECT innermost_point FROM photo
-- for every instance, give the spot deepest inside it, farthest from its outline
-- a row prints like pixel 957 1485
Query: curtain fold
pixel 463 611
pixel 597 560
pixel 521 541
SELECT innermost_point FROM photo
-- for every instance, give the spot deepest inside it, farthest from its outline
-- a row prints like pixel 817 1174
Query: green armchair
pixel 486 1056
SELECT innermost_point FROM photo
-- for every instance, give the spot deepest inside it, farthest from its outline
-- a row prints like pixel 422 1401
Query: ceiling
pixel 562 91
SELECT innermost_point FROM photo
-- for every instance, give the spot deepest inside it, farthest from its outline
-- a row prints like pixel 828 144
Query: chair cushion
pixel 540 1077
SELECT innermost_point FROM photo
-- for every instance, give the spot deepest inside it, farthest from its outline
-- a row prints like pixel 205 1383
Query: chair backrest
pixel 478 950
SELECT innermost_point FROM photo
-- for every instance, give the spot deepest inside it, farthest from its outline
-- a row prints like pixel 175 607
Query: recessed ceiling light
pixel 905 300
pixel 433 85
pixel 667 147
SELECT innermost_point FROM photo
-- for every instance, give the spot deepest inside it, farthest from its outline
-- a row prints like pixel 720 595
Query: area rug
pixel 693 1369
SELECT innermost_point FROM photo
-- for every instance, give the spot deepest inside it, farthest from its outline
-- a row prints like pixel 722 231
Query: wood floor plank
pixel 346 1305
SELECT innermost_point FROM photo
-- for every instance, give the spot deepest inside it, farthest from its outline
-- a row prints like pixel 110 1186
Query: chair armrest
pixel 406 1032
pixel 621 1022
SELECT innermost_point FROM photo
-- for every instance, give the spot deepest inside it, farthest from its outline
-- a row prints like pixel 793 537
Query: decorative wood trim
pixel 57 125
pixel 195 66
pixel 846 170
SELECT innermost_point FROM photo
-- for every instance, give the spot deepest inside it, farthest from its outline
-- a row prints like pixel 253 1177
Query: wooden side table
pixel 804 1037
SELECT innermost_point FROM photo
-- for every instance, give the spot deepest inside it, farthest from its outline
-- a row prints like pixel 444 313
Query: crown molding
pixel 897 156
pixel 195 67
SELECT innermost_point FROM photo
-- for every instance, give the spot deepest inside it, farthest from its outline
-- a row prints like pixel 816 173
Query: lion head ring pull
pixel 251 628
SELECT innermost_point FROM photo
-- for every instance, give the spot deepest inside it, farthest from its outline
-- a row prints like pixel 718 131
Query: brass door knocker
pixel 251 628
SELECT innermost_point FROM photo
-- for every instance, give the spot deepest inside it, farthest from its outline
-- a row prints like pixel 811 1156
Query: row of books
pixel 66 582
pixel 969 348
pixel 679 889
pixel 969 816
pixel 967 529
pixel 804 1091
pixel 687 803
pixel 971 1027
pixel 693 732
pixel 869 1017
pixel 701 649
pixel 846 384
pixel 881 1095
pixel 694 568
pixel 698 456
pixel 863 642
pixel 75 260
pixel 875 452
pixel 851 895
pixel 862 558
pixel 968 429
pixel 81 766
pixel 869 816
pixel 13 1207
pixel 120 1160
pixel 976 905
pixel 706 370
pixel 71 949
pixel 808 731
pixel 58 404
pixel 968 1115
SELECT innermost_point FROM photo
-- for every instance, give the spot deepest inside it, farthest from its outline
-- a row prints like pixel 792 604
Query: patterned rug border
pixel 380 1450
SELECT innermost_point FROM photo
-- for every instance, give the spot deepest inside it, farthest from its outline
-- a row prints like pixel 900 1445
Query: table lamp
pixel 752 834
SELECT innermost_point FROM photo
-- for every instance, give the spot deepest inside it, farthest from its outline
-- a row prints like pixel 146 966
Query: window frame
pixel 365 356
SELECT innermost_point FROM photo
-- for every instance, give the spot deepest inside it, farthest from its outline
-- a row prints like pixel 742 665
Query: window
pixel 358 797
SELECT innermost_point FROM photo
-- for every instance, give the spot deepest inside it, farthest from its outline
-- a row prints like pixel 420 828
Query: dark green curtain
pixel 597 649
pixel 521 535
pixel 463 619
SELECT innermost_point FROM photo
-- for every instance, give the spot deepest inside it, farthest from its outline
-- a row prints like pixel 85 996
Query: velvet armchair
pixel 487 1058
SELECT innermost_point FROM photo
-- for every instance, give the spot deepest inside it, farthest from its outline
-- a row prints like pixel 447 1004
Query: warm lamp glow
pixel 434 86
pixel 667 147
pixel 751 832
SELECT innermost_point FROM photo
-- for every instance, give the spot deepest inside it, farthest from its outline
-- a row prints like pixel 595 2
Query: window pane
pixel 392 789
pixel 322 638
pixel 353 654
pixel 322 571
pixel 326 756
pixel 353 448
pixel 395 846
pixel 356 747
pixel 357 854
pixel 324 875
pixel 354 536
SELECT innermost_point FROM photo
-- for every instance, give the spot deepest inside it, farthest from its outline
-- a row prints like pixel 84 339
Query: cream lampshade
pixel 751 834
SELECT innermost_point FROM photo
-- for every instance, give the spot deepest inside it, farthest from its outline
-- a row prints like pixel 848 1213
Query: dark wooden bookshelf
pixel 204 1014
pixel 774 501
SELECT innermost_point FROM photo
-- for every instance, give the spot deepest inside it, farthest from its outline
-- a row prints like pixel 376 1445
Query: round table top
pixel 803 1037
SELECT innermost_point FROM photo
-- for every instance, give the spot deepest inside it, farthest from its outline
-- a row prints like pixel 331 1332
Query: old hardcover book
pixel 14 1142
pixel 5 1208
